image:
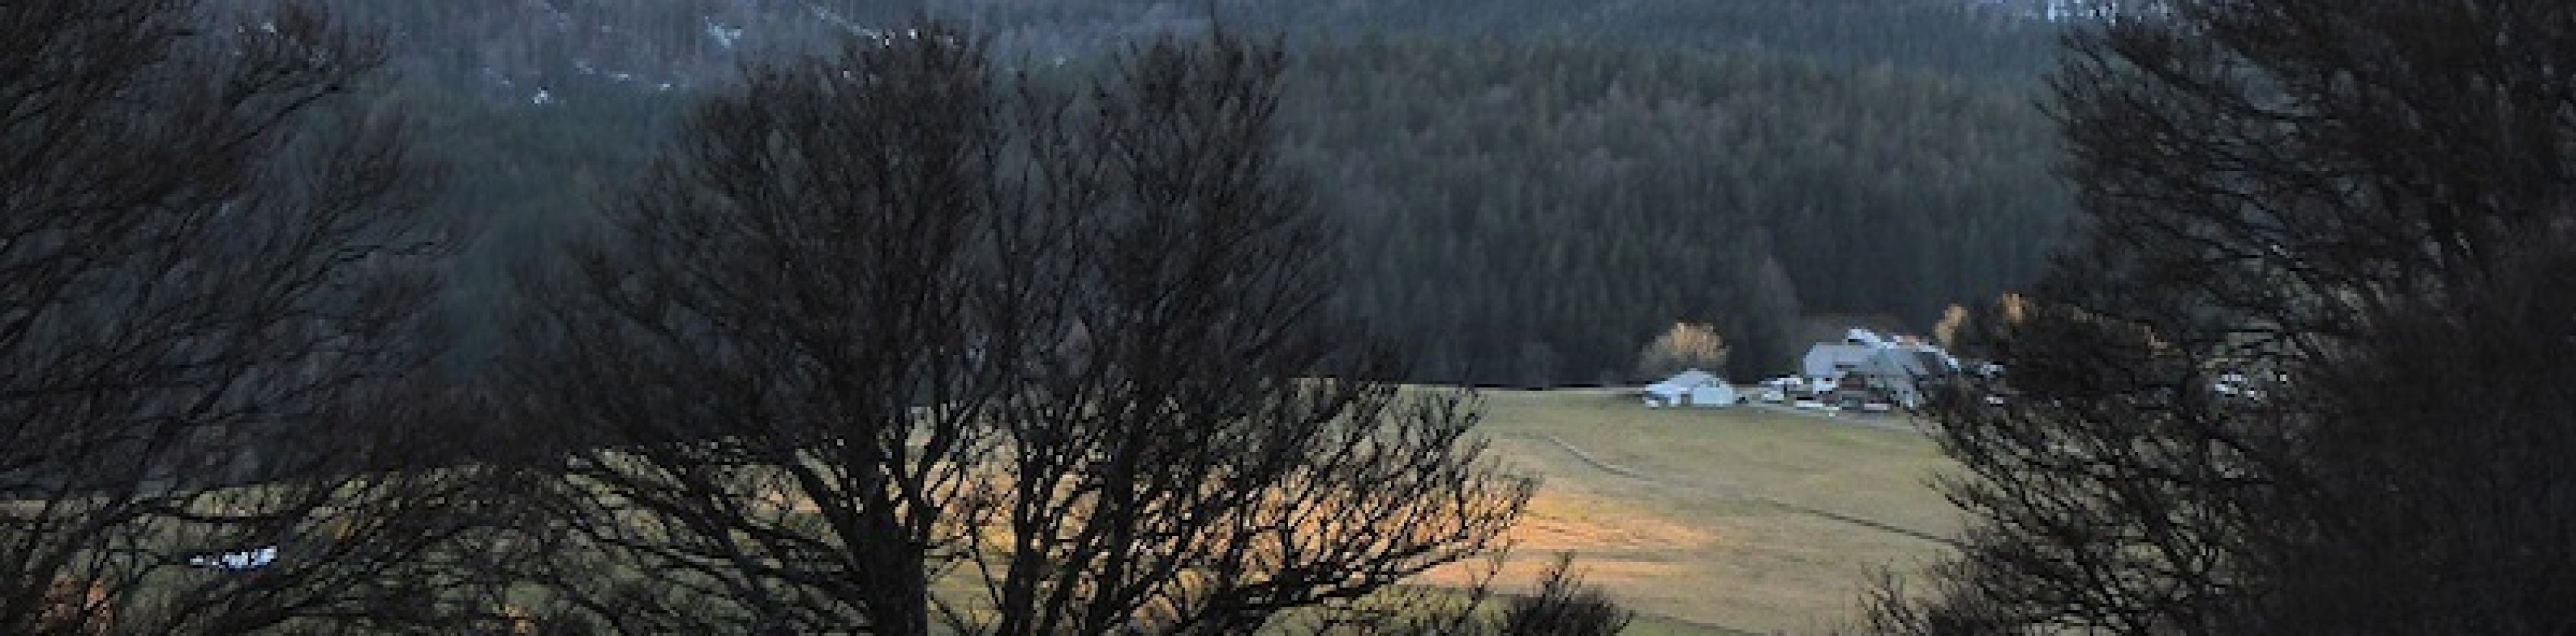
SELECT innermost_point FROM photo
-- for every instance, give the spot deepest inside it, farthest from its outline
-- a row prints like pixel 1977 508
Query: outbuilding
pixel 1690 388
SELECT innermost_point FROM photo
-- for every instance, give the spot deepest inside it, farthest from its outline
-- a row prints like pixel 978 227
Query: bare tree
pixel 1685 346
pixel 1219 450
pixel 768 363
pixel 893 339
pixel 1954 320
pixel 2309 224
pixel 212 275
pixel 1564 606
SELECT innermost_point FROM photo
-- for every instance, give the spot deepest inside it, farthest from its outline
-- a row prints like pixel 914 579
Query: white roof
pixel 1691 378
pixel 1685 381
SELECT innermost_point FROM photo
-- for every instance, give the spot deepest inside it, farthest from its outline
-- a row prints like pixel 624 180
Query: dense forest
pixel 1991 39
pixel 1117 316
pixel 1527 206
pixel 1532 212
pixel 686 41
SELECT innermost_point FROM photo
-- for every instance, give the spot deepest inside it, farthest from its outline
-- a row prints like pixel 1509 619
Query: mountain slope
pixel 1533 213
pixel 516 47
pixel 1524 208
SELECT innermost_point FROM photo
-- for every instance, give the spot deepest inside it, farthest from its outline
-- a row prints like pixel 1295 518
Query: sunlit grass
pixel 1700 535
pixel 1697 539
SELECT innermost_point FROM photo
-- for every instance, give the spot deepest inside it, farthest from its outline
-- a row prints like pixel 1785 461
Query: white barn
pixel 1690 388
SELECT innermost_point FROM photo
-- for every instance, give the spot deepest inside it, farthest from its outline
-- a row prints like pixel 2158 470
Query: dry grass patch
pixel 1699 539
pixel 1710 530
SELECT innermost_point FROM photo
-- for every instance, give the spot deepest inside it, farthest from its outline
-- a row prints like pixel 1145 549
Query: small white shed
pixel 1690 388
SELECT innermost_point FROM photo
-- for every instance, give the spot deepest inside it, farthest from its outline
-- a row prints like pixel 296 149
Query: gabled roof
pixel 1691 378
pixel 1685 381
pixel 1841 351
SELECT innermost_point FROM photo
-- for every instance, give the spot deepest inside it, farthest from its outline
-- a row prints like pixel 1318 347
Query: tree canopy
pixel 2304 370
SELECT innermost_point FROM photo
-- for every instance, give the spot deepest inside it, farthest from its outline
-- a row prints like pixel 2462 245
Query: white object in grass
pixel 238 560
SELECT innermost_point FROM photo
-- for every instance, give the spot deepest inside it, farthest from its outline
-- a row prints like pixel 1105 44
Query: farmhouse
pixel 1829 361
pixel 1865 361
pixel 1690 388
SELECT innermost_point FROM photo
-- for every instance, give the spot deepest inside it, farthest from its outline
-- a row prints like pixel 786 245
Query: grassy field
pixel 1716 521
pixel 1719 521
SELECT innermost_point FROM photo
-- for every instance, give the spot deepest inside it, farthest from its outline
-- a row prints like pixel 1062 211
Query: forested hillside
pixel 1980 38
pixel 1532 213
pixel 521 43
pixel 1527 205
pixel 518 177
pixel 514 48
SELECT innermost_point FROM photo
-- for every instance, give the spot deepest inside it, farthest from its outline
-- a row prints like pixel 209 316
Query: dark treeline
pixel 1532 213
pixel 1530 198
pixel 1526 212
pixel 2306 368
pixel 692 41
pixel 523 177
pixel 1980 39
pixel 514 47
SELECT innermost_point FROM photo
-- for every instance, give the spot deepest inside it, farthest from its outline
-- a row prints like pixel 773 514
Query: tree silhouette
pixel 2267 393
pixel 894 340
pixel 212 291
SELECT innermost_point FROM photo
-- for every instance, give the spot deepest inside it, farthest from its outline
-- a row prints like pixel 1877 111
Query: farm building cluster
pixel 1864 371
pixel 1867 368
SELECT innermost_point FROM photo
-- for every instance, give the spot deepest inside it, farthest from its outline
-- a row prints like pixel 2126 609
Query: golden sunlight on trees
pixel 1946 332
pixel 1685 346
pixel 2016 308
